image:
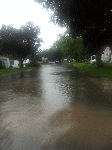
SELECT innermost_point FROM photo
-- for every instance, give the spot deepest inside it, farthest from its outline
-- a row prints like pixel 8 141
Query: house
pixel 5 61
pixel 44 60
pixel 14 63
pixel 26 61
pixel 107 55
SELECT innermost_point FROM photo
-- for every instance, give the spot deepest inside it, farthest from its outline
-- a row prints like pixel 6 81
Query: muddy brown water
pixel 55 108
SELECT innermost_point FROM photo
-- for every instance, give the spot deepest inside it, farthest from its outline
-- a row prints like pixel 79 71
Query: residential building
pixel 26 61
pixel 107 55
pixel 44 60
pixel 14 63
pixel 5 61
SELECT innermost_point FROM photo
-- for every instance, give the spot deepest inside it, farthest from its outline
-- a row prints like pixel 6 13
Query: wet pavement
pixel 55 108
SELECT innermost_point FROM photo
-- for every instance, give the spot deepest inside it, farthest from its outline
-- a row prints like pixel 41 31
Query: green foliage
pixel 101 64
pixel 33 64
pixel 91 19
pixel 105 71
pixel 87 63
pixel 10 66
pixel 19 43
pixel 65 47
pixel 94 63
pixel 11 70
pixel 81 15
pixel 69 47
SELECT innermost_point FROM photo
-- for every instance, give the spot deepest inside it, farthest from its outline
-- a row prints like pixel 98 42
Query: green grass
pixel 12 70
pixel 104 72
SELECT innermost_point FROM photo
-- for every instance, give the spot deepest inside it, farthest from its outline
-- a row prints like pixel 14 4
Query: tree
pixel 65 47
pixel 19 43
pixel 28 39
pixel 7 35
pixel 71 47
pixel 92 19
pixel 80 15
pixel 68 47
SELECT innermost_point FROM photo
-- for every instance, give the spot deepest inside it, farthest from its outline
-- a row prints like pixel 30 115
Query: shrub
pixel 10 66
pixel 32 64
pixel 87 63
pixel 94 63
pixel 86 60
pixel 100 65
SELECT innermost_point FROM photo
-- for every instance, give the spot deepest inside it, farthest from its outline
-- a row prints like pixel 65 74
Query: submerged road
pixel 55 108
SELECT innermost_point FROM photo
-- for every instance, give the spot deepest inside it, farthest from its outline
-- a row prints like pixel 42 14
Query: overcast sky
pixel 18 12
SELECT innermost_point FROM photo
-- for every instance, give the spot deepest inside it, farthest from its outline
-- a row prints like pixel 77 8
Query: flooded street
pixel 55 108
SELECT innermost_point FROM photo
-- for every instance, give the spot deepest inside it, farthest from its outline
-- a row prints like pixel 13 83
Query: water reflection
pixel 55 107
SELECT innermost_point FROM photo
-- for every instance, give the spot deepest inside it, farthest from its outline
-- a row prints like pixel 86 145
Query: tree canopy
pixel 80 15
pixel 66 47
pixel 90 19
pixel 19 43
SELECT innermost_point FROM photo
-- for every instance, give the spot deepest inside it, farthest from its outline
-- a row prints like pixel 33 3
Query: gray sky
pixel 19 12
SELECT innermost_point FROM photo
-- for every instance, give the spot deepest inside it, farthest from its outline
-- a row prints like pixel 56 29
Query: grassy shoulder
pixel 103 72
pixel 12 70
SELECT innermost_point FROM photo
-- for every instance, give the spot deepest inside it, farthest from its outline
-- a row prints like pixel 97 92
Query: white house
pixel 44 60
pixel 26 61
pixel 107 54
pixel 5 61
pixel 14 63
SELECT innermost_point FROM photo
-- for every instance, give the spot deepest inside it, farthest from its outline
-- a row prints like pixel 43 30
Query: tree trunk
pixel 21 63
pixel 98 58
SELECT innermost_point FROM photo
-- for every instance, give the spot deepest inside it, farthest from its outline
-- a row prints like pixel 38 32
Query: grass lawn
pixel 11 70
pixel 104 72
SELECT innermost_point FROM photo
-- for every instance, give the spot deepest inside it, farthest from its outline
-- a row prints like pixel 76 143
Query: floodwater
pixel 55 108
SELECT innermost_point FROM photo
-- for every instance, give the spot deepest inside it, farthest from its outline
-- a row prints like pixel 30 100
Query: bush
pixel 32 64
pixel 94 63
pixel 87 63
pixel 10 66
pixel 86 60
pixel 100 65
pixel 28 65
